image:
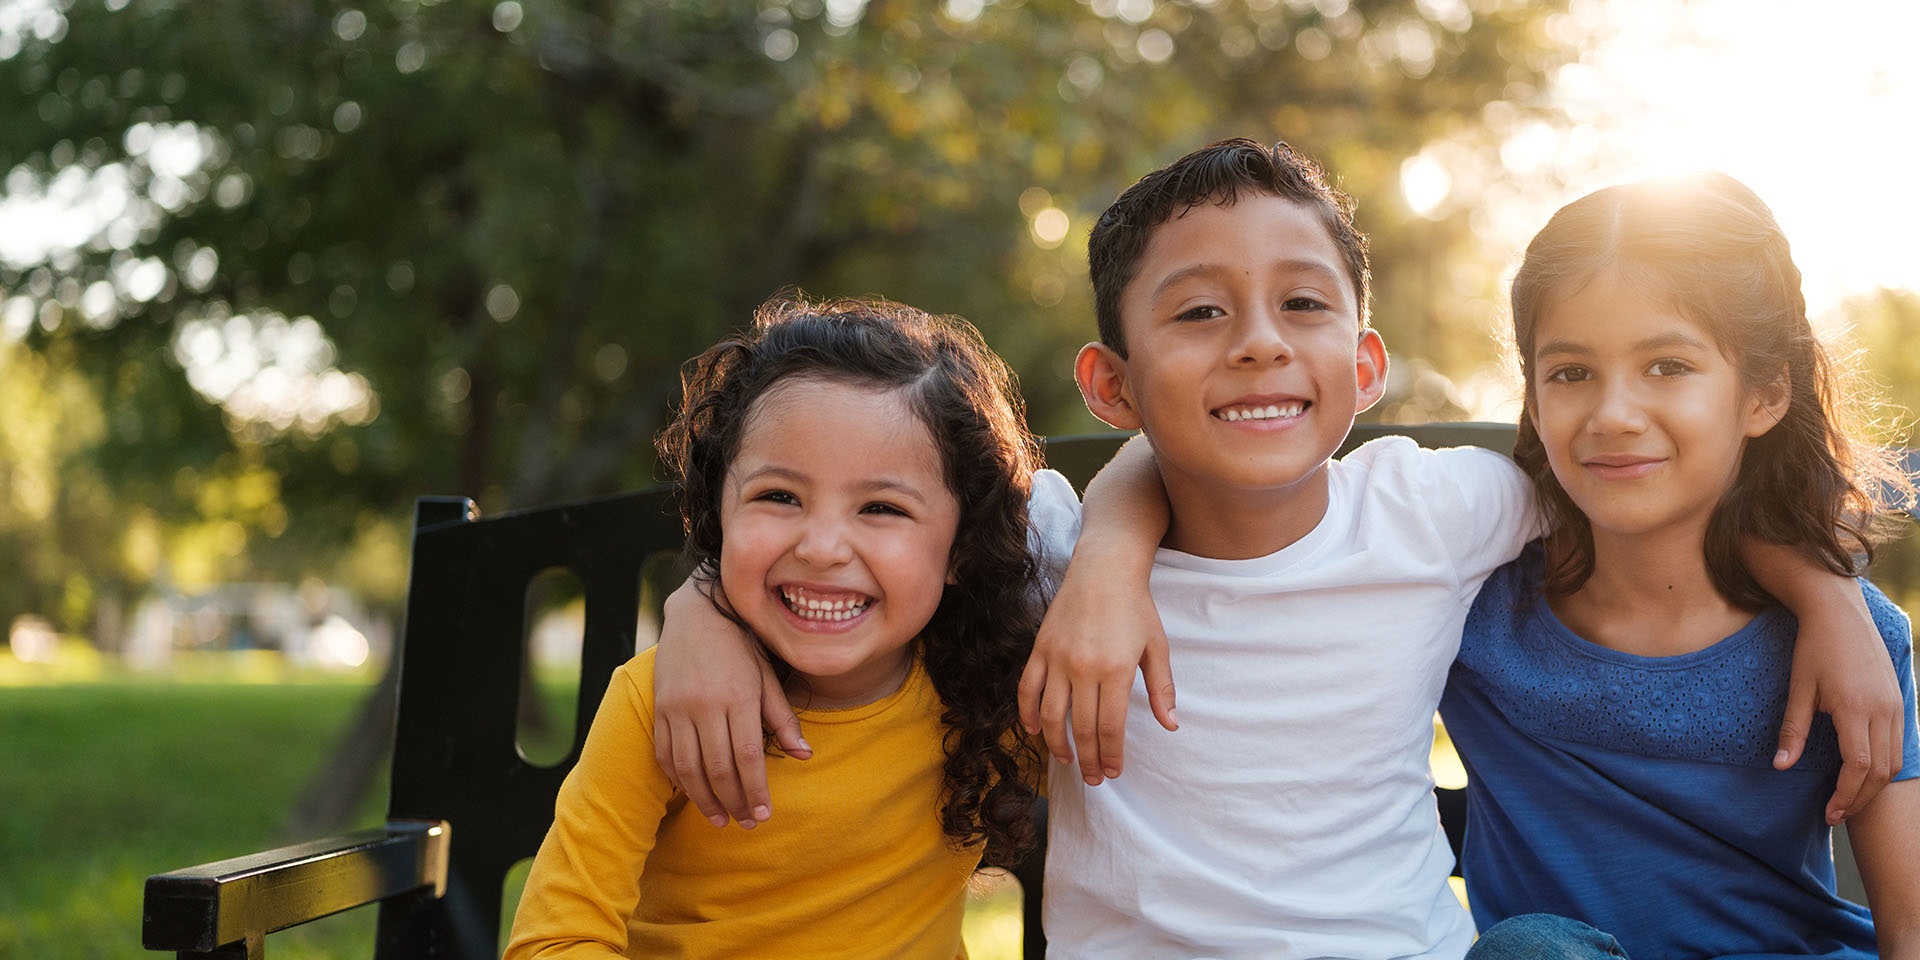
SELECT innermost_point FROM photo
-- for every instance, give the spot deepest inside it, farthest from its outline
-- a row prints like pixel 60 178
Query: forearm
pixel 1102 624
pixel 1124 515
pixel 1801 583
pixel 712 688
pixel 1886 846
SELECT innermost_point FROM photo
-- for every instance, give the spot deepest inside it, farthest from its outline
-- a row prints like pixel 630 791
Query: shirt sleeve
pixel 1483 506
pixel 1054 511
pixel 585 881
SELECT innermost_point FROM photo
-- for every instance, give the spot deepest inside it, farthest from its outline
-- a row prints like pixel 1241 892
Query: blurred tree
pixel 1883 326
pixel 447 245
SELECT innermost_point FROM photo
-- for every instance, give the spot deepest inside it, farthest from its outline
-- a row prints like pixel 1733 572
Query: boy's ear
pixel 1769 404
pixel 1370 368
pixel 1102 376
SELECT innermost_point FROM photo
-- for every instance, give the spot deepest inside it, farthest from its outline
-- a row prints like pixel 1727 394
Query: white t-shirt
pixel 1292 815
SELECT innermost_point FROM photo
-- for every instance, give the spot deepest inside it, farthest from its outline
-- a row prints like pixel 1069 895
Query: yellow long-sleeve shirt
pixel 852 864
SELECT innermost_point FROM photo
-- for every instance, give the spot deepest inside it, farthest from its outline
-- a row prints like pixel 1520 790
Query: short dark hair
pixel 1216 173
pixel 981 633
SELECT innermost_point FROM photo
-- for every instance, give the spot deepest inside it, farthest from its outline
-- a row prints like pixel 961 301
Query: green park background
pixel 293 264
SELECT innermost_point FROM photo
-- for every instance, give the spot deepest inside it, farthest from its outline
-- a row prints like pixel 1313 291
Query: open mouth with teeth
pixel 826 608
pixel 1272 411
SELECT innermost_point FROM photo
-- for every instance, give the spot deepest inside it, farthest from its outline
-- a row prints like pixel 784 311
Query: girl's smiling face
pixel 837 530
pixel 1642 417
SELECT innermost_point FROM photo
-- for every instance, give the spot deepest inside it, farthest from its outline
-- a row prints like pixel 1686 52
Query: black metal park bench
pixel 464 806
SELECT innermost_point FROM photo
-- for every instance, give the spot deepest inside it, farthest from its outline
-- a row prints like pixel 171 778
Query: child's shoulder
pixel 1398 454
pixel 633 681
pixel 1462 481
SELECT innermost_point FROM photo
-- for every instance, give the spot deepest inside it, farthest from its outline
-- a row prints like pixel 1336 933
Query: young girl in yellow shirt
pixel 854 487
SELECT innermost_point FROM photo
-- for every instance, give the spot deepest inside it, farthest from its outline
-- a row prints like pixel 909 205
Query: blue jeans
pixel 1543 936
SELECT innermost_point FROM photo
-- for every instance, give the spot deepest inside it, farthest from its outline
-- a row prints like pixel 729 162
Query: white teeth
pixel 811 608
pixel 1272 411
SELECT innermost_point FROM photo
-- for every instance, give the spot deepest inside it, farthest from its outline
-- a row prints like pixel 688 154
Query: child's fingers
pixel 1033 683
pixel 1856 751
pixel 750 765
pixel 663 753
pixel 690 772
pixel 1111 728
pixel 1879 773
pixel 1157 673
pixel 779 717
pixel 1054 704
pixel 722 776
pixel 1086 732
pixel 1796 723
pixel 1896 742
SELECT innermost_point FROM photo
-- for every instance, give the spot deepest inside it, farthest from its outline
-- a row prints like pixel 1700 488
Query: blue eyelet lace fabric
pixel 1720 704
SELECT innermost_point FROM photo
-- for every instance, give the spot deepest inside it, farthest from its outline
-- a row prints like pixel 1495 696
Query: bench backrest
pixel 455 756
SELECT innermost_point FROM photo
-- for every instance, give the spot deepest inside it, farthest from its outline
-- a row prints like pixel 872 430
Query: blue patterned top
pixel 1638 793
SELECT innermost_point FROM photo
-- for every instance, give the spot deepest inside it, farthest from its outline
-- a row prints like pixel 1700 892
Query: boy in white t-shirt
pixel 1312 606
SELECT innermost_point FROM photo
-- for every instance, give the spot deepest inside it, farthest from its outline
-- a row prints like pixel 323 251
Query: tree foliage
pixel 366 252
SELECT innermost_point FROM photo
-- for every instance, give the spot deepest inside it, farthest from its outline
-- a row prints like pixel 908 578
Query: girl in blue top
pixel 1618 685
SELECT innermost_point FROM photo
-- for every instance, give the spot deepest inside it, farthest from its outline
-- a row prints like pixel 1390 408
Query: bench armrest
pixel 201 909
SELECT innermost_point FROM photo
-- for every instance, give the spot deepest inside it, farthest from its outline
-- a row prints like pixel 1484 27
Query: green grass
pixel 104 783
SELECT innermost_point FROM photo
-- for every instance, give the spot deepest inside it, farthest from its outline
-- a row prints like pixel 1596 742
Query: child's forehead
pixel 1257 232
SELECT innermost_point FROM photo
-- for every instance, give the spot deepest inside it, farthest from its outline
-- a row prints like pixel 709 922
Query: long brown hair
pixel 977 643
pixel 1712 248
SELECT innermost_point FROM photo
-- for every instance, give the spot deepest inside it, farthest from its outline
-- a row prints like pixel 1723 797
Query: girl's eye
pixel 1669 367
pixel 883 509
pixel 1568 374
pixel 776 496
pixel 1205 312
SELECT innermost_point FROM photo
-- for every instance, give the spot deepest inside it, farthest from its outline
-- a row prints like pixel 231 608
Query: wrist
pixel 1112 555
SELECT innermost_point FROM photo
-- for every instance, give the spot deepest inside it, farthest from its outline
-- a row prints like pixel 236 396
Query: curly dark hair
pixel 982 631
pixel 1710 247
pixel 1215 173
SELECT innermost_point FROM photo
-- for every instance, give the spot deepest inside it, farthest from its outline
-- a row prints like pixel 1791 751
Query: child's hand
pixel 1102 624
pixel 1095 633
pixel 1841 667
pixel 711 690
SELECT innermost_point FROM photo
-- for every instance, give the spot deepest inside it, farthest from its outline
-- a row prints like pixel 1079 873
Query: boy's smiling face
pixel 1246 362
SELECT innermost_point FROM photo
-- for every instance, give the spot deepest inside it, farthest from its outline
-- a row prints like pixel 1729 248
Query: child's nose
pixel 1619 409
pixel 1262 339
pixel 823 543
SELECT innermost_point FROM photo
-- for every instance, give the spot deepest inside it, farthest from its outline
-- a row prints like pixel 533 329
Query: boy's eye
pixel 1669 367
pixel 1205 312
pixel 1303 305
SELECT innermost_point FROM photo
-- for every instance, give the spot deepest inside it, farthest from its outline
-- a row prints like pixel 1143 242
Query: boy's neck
pixel 1209 520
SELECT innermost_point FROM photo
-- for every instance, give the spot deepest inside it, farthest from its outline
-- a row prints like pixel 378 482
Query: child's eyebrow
pixel 772 470
pixel 891 485
pixel 1664 341
pixel 871 485
pixel 1318 268
pixel 1190 272
pixel 1293 265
